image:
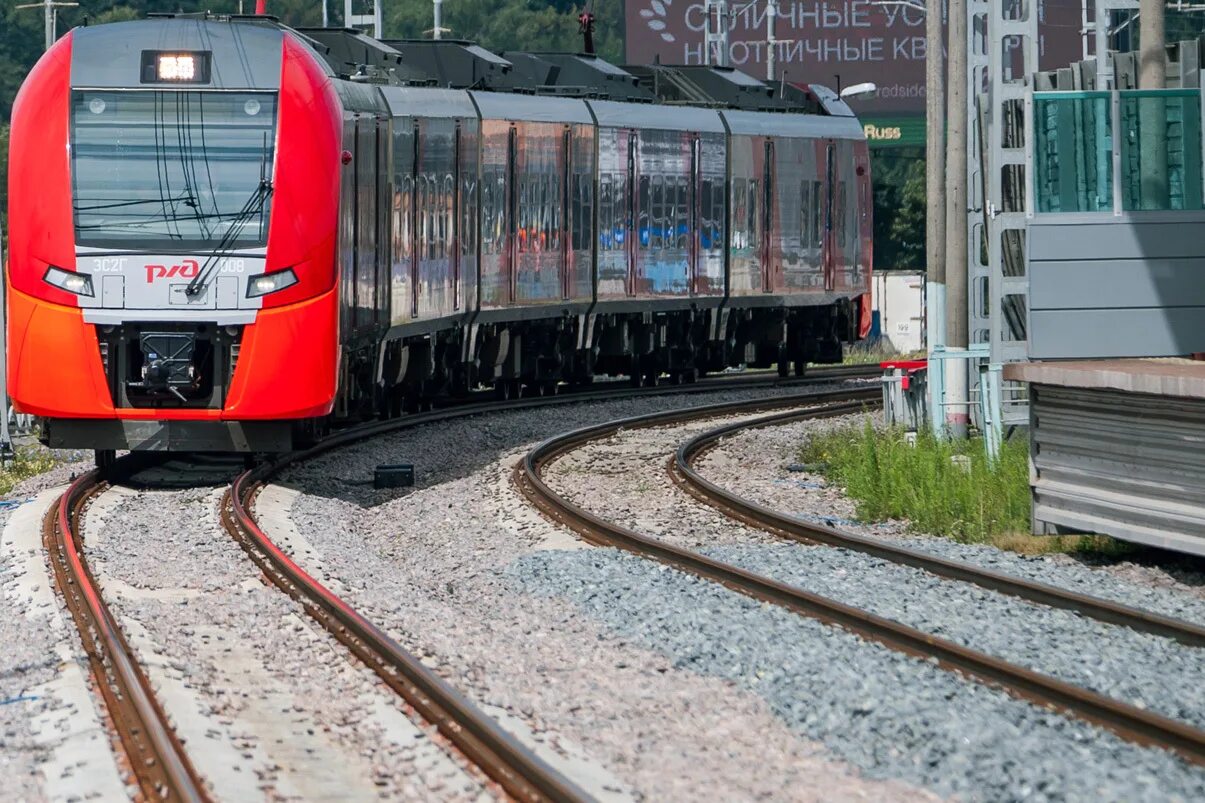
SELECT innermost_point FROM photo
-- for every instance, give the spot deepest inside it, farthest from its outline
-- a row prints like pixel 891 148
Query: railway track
pixel 682 471
pixel 153 751
pixel 502 757
pixel 1130 722
pixel 155 755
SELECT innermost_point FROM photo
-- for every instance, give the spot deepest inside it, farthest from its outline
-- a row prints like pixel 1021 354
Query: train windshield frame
pixel 172 169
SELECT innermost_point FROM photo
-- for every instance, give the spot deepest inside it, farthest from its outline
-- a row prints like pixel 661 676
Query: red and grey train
pixel 225 233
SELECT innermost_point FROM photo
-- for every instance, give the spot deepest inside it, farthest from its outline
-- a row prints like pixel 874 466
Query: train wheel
pixel 801 367
pixel 635 376
pixel 105 458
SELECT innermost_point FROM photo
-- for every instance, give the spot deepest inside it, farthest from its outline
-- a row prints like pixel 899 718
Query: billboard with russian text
pixel 819 40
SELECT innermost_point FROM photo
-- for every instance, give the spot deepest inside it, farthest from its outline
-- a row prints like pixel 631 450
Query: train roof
pixel 460 64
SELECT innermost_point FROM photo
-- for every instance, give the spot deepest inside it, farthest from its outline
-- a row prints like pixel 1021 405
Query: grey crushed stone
pixel 27 660
pixel 893 716
pixel 1147 671
pixel 429 564
pixel 754 464
pixel 624 480
pixel 240 645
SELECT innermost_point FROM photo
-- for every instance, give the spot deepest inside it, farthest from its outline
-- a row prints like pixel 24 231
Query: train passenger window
pixel 644 208
pixel 740 213
pixel 805 215
pixel 753 224
pixel 606 214
pixel 817 213
pixel 657 213
pixel 682 235
pixel 467 233
pixel 719 223
pixel 839 212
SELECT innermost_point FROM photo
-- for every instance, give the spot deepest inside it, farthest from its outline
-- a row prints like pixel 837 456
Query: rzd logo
pixel 188 270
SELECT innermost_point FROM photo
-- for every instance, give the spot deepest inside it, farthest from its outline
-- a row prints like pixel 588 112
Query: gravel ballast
pixel 623 479
pixel 440 567
pixel 52 741
pixel 893 716
pixel 267 704
pixel 753 463
pixel 431 566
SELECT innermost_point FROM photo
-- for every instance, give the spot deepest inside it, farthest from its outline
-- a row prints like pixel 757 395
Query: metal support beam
pixel 368 21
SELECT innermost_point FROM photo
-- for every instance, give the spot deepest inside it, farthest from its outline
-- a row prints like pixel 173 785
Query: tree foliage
pixel 899 208
pixel 495 24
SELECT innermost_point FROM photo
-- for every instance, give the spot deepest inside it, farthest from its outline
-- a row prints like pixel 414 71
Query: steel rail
pixel 683 472
pixel 154 752
pixel 1129 722
pixel 503 758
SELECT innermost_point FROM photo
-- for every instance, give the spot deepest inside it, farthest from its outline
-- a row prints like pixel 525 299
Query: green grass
pixel 863 354
pixel 29 460
pixel 941 487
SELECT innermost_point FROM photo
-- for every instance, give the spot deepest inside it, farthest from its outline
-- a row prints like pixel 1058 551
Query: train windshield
pixel 172 169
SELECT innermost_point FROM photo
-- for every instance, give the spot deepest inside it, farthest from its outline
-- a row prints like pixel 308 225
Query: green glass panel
pixel 1160 149
pixel 1073 152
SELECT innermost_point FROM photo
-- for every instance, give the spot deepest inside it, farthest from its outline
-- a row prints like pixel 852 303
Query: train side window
pixel 817 213
pixel 805 212
pixel 740 213
pixel 719 223
pixel 840 210
pixel 605 222
pixel 753 224
pixel 644 205
pixel 657 213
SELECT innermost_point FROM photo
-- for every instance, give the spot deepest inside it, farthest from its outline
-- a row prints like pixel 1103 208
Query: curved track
pixel 502 757
pixel 683 473
pixel 1129 722
pixel 155 755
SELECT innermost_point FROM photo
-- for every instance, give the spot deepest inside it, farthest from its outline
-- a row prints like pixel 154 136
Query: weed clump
pixel 939 486
pixel 28 461
pixel 943 487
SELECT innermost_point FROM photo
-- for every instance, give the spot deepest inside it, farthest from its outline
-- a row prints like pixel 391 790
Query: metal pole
pixel 1152 115
pixel 957 409
pixel 438 18
pixel 935 188
pixel 6 441
pixel 771 42
pixel 326 19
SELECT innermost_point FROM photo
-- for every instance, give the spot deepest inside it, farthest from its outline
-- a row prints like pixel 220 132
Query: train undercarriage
pixel 536 357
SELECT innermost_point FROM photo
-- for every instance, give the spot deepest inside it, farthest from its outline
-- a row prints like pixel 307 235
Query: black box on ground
pixel 398 476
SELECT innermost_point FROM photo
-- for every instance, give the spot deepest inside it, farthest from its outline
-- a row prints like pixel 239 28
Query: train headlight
pixel 271 282
pixel 78 283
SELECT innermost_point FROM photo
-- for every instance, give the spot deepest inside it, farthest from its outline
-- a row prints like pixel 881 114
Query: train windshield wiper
pixel 254 205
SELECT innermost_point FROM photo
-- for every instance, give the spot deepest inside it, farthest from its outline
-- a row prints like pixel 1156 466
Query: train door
pixel 347 234
pixel 405 142
pixel 512 214
pixel 828 250
pixel 381 308
pixel 768 251
pixel 693 217
pixel 564 223
pixel 632 213
pixel 456 218
pixel 364 281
